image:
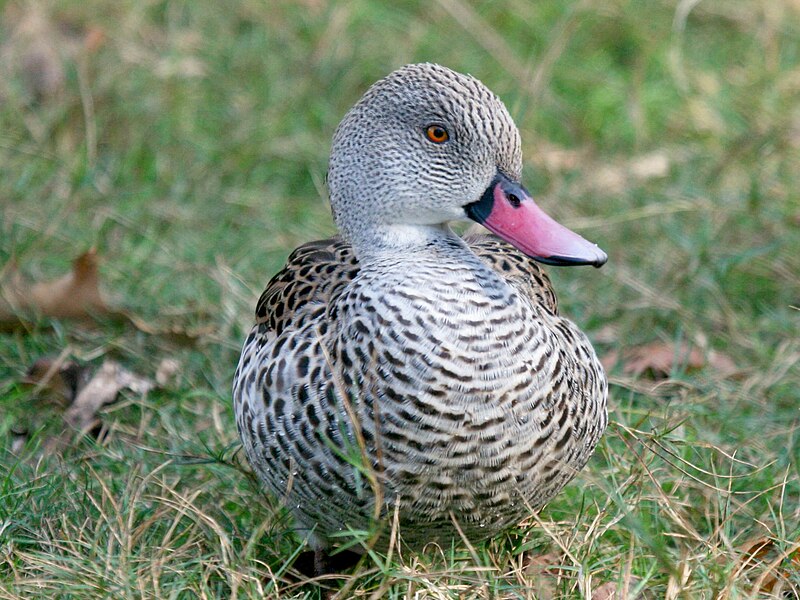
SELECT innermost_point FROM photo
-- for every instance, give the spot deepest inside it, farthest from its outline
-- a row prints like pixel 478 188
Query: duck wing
pixel 314 274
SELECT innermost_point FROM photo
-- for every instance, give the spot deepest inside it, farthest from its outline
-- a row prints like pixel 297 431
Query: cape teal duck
pixel 403 371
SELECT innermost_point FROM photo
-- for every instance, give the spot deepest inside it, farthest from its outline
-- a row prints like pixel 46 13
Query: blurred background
pixel 184 144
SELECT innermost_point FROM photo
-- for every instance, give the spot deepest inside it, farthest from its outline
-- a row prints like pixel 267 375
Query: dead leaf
pixel 762 561
pixel 545 572
pixel 57 379
pixel 607 591
pixel 658 360
pixel 625 590
pixel 75 295
pixel 83 391
pixel 754 551
pixel 102 389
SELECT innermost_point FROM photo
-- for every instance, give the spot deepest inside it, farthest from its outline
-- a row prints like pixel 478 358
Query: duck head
pixel 426 146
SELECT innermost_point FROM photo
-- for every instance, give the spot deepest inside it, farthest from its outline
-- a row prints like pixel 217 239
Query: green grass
pixel 189 148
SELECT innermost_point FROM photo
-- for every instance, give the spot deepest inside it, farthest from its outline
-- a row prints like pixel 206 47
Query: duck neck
pixel 408 241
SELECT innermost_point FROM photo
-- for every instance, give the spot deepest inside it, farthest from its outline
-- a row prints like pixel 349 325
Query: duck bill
pixel 507 210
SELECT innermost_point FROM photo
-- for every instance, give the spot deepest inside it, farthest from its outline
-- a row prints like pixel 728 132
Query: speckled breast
pixel 441 403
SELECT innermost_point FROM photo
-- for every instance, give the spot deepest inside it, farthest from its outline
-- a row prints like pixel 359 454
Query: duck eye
pixel 437 134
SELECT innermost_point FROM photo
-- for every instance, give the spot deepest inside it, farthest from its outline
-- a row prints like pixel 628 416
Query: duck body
pixel 463 402
pixel 406 375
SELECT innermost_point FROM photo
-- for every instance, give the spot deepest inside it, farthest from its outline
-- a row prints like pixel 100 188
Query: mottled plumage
pixel 406 364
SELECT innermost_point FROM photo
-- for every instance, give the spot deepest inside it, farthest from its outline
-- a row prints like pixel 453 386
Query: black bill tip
pixel 569 261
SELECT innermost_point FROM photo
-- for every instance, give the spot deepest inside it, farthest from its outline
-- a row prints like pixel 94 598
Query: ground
pixel 185 143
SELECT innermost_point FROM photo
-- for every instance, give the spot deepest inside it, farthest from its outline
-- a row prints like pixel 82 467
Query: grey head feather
pixel 383 171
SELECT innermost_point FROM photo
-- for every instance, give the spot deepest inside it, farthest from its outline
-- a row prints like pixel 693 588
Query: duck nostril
pixel 514 200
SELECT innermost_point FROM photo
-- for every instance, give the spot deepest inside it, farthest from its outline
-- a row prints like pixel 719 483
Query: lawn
pixel 186 144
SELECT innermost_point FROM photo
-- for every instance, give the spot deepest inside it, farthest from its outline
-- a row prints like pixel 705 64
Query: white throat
pixel 400 239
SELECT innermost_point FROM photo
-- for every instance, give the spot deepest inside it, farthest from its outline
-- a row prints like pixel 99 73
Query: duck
pixel 402 380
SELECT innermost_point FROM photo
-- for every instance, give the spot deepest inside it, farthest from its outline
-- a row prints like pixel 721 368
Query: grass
pixel 187 142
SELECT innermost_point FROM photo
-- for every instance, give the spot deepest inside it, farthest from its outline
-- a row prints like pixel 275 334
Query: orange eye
pixel 437 134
